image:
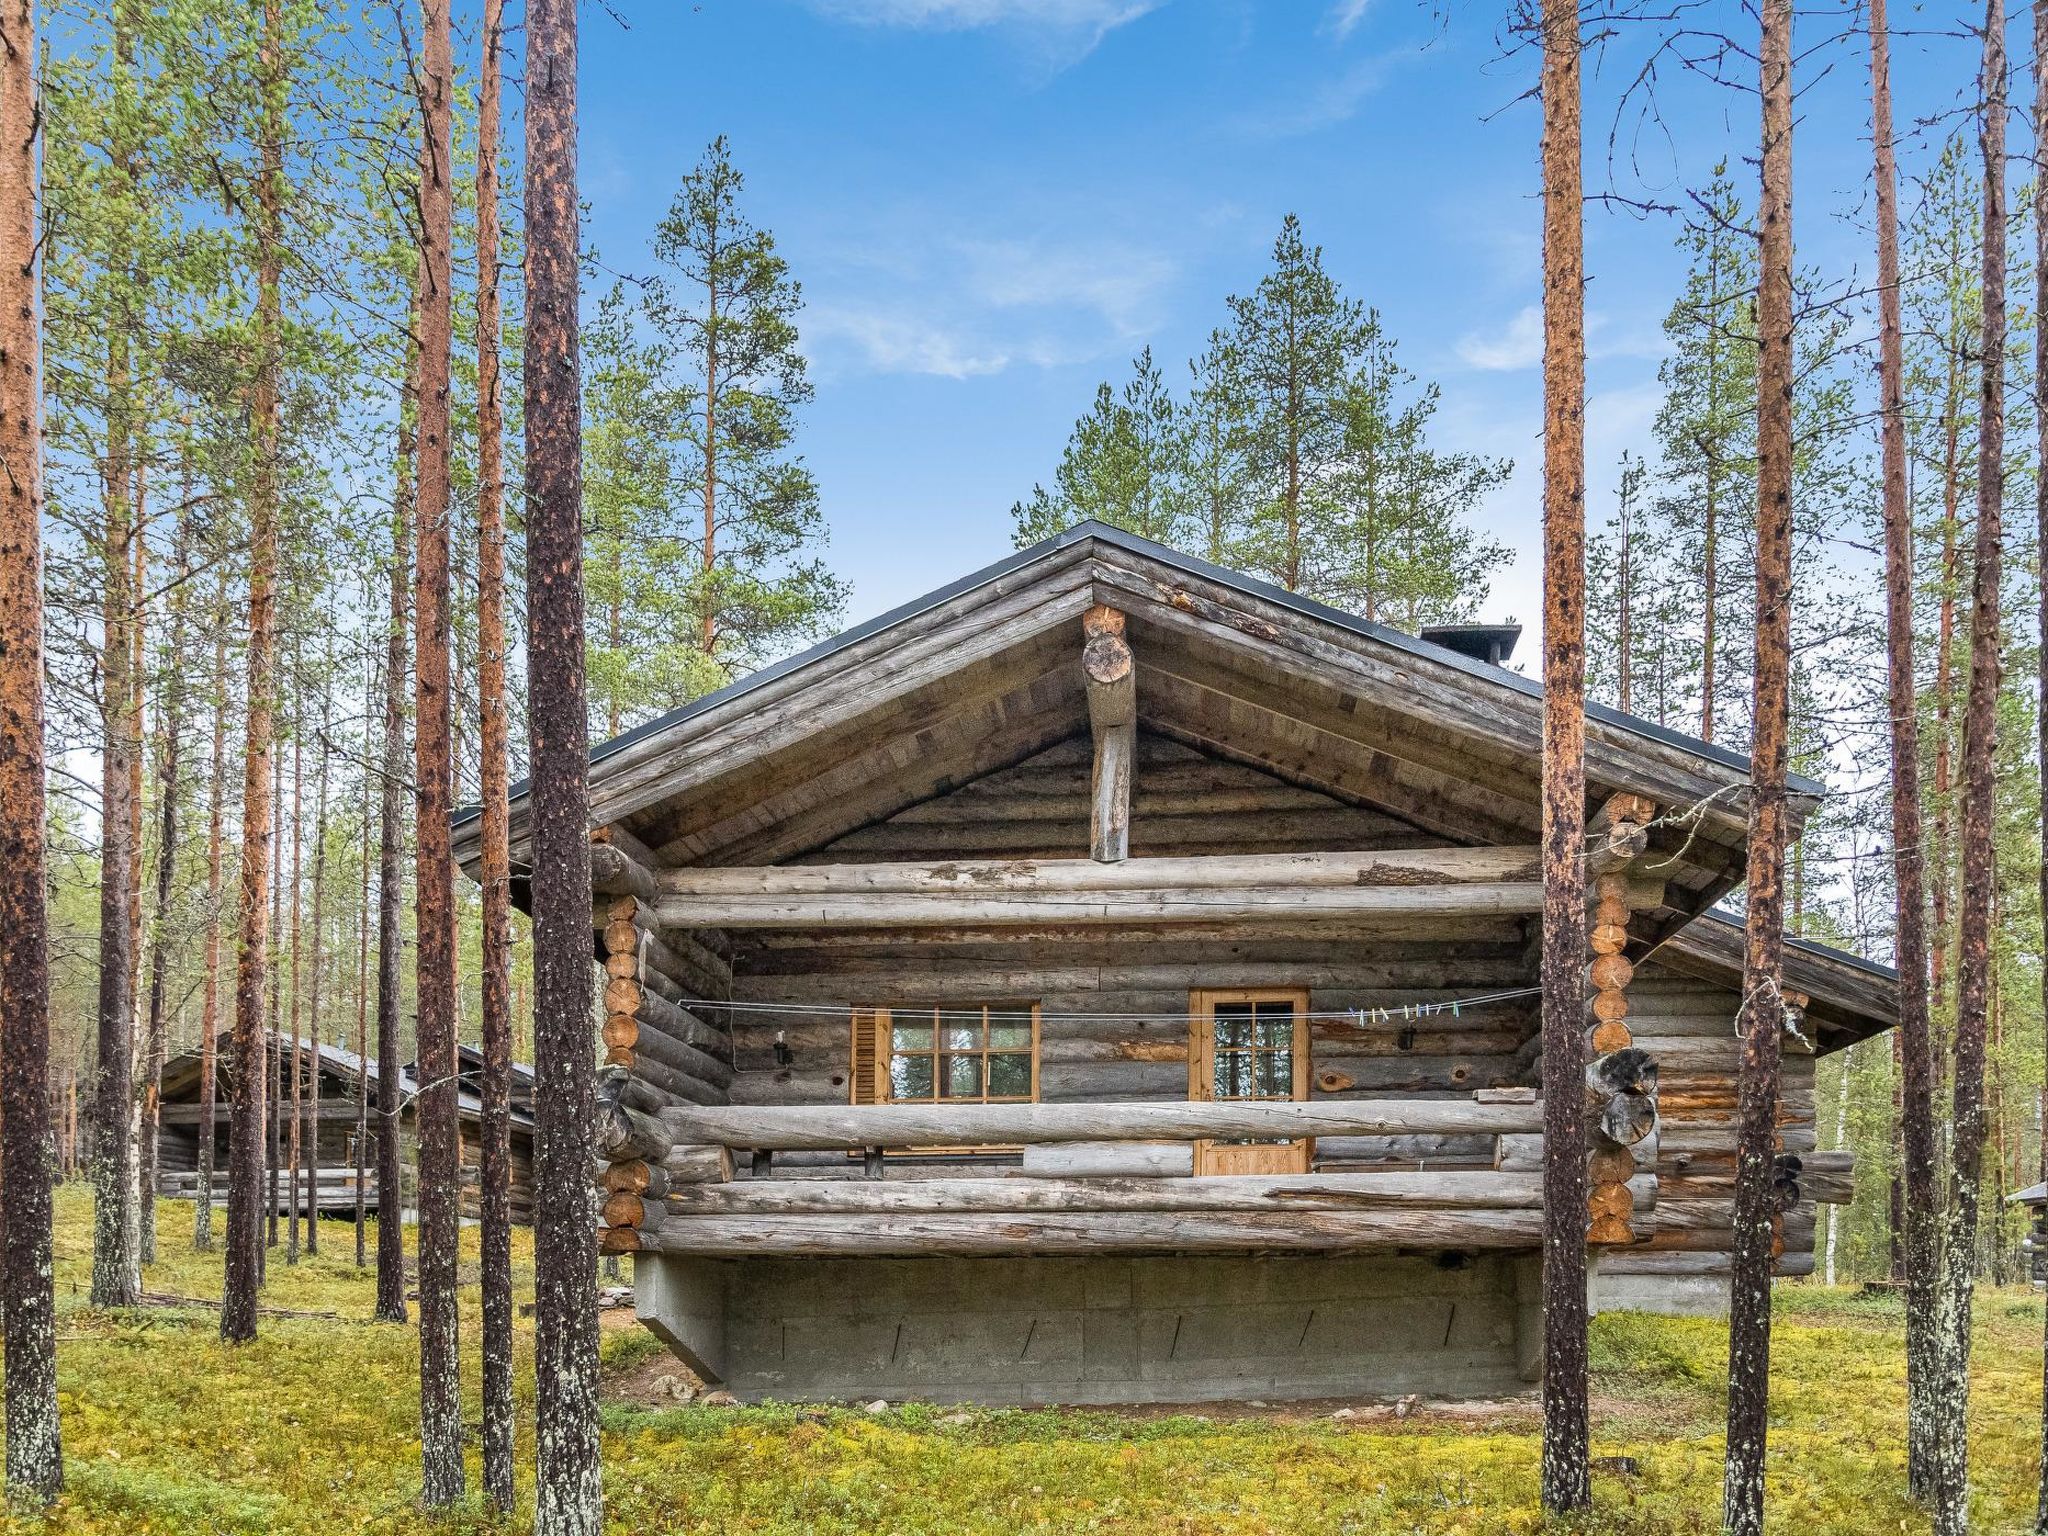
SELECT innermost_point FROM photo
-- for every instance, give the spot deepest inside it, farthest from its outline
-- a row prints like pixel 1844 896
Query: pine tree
pixel 1706 427
pixel 1978 867
pixel 1566 1473
pixel 1915 1041
pixel 725 303
pixel 569 1497
pixel 494 1194
pixel 1762 1016
pixel 442 1472
pixel 1385 531
pixel 35 1461
pixel 245 1126
pixel 1125 464
pixel 1295 338
pixel 1217 435
pixel 644 620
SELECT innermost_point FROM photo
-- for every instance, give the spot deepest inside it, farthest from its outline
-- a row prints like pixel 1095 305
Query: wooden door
pixel 1249 1046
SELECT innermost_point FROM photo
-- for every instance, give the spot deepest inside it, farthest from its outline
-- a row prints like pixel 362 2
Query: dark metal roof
pixel 1117 538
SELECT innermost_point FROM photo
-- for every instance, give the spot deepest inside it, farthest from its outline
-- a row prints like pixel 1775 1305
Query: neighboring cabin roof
pixel 181 1074
pixel 1091 531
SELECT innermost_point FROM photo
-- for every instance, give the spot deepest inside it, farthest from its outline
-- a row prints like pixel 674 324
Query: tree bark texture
pixel 441 1464
pixel 569 1495
pixel 1762 1016
pixel 245 1123
pixel 1566 1476
pixel 495 1155
pixel 2041 534
pixel 35 1462
pixel 1978 871
pixel 1915 1038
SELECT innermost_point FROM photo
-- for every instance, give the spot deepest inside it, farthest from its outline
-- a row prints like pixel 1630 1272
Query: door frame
pixel 1212 1157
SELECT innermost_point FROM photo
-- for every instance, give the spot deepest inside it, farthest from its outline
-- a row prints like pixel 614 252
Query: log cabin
pixel 1112 979
pixel 340 1078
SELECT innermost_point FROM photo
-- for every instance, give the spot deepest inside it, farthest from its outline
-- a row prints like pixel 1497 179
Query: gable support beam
pixel 1264 887
pixel 1112 675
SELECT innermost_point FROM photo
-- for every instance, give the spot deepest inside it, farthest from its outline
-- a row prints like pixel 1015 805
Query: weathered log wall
pixel 1688 1026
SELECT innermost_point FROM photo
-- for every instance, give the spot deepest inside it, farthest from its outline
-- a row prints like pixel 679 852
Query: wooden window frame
pixel 873 1054
pixel 1202 1038
pixel 1297 1156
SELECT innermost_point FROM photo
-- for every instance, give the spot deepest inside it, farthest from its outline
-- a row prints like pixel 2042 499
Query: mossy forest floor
pixel 310 1430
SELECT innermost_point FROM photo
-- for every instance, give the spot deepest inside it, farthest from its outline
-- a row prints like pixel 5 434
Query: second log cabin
pixel 1113 979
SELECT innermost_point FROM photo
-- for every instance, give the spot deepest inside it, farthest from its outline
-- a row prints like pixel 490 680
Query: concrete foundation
pixel 1097 1330
pixel 1670 1295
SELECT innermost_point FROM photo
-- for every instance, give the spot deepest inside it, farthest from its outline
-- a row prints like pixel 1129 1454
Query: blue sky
pixel 993 204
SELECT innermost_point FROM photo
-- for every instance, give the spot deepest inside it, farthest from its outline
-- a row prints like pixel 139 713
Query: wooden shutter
pixel 870 1076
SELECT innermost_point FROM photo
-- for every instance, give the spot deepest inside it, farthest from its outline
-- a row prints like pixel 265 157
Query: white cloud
pixel 1066 31
pixel 1335 101
pixel 896 341
pixel 1519 345
pixel 1099 15
pixel 1345 16
pixel 1115 281
pixel 958 305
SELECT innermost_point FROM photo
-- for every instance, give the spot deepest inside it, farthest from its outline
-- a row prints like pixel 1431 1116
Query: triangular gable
pixel 983 675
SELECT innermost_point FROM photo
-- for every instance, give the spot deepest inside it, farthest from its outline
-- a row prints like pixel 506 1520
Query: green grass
pixel 310 1430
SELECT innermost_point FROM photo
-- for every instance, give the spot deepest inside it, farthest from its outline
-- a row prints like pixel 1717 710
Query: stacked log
pixel 666 1040
pixel 1621 1079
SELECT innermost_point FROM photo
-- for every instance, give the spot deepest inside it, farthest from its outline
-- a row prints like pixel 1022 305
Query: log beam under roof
pixel 1280 887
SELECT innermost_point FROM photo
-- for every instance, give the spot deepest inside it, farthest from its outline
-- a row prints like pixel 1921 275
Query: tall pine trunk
pixel 1566 1476
pixel 495 1157
pixel 1978 871
pixel 170 787
pixel 2041 587
pixel 1915 1038
pixel 362 1123
pixel 209 1002
pixel 441 1465
pixel 390 893
pixel 293 1060
pixel 1762 1017
pixel 245 1123
pixel 35 1461
pixel 569 1498
pixel 113 1147
pixel 309 1106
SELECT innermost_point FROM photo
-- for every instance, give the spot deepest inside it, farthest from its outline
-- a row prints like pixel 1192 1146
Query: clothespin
pixel 1454 1007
